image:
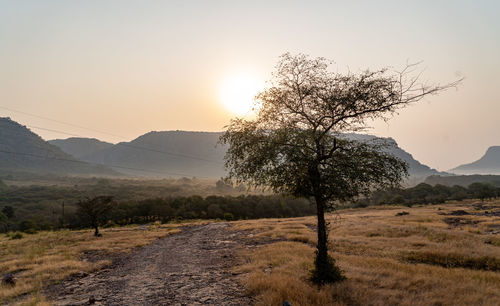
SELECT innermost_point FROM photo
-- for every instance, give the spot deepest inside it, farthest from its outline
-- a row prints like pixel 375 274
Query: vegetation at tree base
pixel 326 272
pixel 296 144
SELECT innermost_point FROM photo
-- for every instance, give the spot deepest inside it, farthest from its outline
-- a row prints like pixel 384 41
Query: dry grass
pixel 45 258
pixel 414 259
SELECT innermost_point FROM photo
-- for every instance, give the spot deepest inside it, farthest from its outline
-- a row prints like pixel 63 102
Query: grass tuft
pixel 451 260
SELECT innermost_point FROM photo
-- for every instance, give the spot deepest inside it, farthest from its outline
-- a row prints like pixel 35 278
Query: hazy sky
pixel 128 67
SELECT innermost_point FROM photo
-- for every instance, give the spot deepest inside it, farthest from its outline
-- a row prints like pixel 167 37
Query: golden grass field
pixel 414 259
pixel 48 257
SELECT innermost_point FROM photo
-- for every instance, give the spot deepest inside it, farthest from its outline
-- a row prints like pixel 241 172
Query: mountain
pixel 197 154
pixel 488 164
pixel 163 154
pixel 418 171
pixel 80 147
pixel 23 150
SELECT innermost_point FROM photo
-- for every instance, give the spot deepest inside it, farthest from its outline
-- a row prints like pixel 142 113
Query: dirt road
pixel 188 268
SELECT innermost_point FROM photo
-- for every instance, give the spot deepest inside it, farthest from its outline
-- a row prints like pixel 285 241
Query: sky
pixel 118 69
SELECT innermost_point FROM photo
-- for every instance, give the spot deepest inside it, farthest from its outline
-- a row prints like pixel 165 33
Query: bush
pixel 16 236
pixel 109 224
pixel 327 273
pixel 27 225
pixel 228 216
pixel 30 231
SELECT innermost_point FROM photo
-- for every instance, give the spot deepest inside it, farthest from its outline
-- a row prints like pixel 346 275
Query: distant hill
pixel 163 154
pixel 488 164
pixel 80 147
pixel 197 154
pixel 23 150
pixel 418 171
pixel 463 180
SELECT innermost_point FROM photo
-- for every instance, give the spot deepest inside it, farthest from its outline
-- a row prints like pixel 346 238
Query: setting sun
pixel 237 93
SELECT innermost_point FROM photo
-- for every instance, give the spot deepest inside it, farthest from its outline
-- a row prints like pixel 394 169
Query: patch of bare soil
pixel 188 268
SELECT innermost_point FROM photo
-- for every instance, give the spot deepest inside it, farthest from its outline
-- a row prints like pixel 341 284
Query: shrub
pixel 27 225
pixel 16 236
pixel 30 231
pixel 228 216
pixel 326 273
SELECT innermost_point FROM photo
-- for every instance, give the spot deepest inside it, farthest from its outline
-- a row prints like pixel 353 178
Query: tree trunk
pixel 322 257
pixel 325 269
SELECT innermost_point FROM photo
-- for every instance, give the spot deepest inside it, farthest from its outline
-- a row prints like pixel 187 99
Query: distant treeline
pixel 32 208
pixel 172 209
pixel 463 180
pixel 427 194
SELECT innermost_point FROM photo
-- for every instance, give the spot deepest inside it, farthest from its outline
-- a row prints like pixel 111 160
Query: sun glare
pixel 237 93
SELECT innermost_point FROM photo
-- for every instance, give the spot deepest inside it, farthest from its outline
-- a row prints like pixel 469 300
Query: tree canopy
pixel 297 144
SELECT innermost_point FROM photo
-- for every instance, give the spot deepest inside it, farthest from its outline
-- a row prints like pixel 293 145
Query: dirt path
pixel 188 268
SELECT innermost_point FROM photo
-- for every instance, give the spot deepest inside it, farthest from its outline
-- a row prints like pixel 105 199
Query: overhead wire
pixel 120 143
pixel 96 164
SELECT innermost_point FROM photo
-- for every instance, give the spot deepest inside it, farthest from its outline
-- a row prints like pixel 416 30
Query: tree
pixel 482 191
pixel 297 143
pixel 3 186
pixel 94 210
pixel 3 223
pixel 8 211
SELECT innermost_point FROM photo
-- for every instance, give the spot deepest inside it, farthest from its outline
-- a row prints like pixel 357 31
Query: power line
pixel 120 143
pixel 61 122
pixel 135 147
pixel 82 162
pixel 50 130
pixel 90 163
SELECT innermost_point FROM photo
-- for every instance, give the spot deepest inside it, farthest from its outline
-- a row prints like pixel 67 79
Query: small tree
pixel 296 144
pixel 482 191
pixel 3 186
pixel 3 223
pixel 8 211
pixel 94 211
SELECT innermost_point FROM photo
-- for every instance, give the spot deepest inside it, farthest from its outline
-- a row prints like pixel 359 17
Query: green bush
pixel 228 216
pixel 327 273
pixel 16 236
pixel 27 225
pixel 30 231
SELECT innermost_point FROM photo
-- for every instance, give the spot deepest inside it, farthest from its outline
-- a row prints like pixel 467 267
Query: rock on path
pixel 188 268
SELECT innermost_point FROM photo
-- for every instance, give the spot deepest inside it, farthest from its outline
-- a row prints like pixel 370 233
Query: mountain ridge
pixel 79 147
pixel 23 150
pixel 196 153
pixel 489 163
